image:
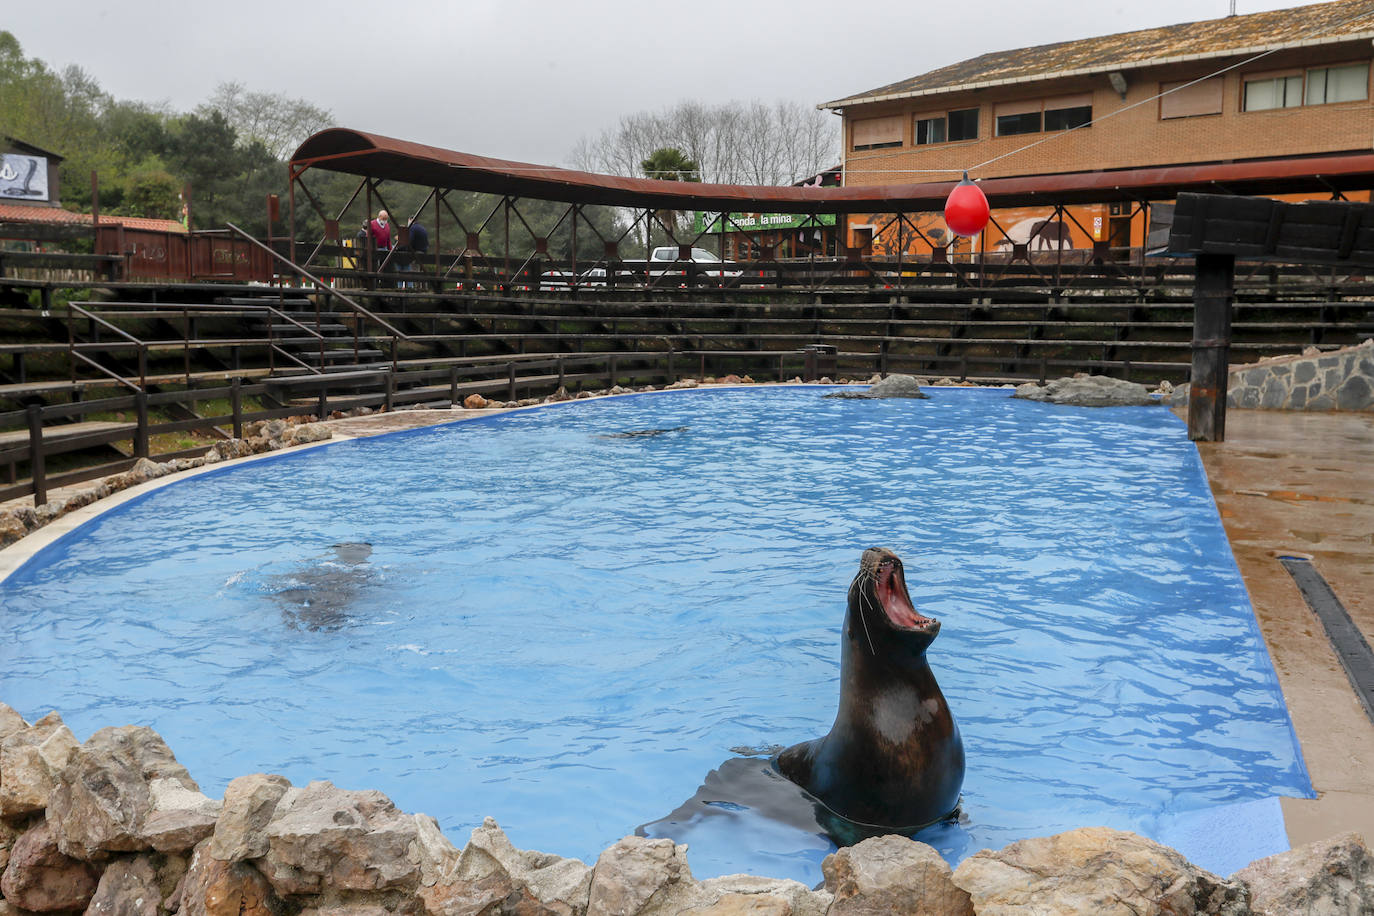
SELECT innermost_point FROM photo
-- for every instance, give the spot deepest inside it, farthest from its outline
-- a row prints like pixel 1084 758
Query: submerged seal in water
pixel 893 760
pixel 318 596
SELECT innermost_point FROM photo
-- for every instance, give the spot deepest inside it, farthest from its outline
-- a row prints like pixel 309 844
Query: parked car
pixel 557 279
pixel 669 253
pixel 597 277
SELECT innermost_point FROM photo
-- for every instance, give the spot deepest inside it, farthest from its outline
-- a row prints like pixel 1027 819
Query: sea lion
pixel 893 761
pixel 642 433
pixel 319 596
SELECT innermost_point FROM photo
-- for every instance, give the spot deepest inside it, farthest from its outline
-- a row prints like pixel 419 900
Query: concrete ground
pixel 1285 483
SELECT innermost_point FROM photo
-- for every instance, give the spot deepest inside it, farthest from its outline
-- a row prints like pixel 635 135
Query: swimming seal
pixel 893 761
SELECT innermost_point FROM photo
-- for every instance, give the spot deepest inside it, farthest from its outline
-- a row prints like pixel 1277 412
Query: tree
pixel 668 163
pixel 733 143
pixel 153 193
pixel 281 123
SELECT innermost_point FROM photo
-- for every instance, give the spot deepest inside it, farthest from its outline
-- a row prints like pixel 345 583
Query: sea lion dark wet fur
pixel 893 760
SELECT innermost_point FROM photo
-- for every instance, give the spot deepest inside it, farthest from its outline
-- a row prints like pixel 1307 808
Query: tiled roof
pixel 50 216
pixel 23 213
pixel 139 222
pixel 1321 23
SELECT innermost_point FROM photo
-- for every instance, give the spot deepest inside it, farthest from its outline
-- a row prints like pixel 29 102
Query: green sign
pixel 762 222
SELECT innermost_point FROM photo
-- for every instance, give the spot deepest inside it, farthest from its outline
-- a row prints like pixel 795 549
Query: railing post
pixel 141 433
pixel 453 385
pixel 323 408
pixel 511 391
pixel 36 472
pixel 236 405
pixel 390 389
pixel 1213 289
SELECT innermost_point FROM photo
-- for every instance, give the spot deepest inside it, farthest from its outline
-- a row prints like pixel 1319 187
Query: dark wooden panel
pixel 1315 232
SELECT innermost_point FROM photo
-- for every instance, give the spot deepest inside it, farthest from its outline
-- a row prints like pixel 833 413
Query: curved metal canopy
pixel 372 155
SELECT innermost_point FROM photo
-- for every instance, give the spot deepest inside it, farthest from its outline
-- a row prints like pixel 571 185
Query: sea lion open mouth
pixel 889 587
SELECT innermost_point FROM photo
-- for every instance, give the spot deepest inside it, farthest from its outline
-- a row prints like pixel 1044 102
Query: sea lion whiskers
pixel 863 618
pixel 859 582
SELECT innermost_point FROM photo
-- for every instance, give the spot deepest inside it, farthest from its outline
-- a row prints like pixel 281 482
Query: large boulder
pixel 8 836
pixel 41 879
pixel 892 874
pixel 322 836
pixel 747 894
pixel 1088 391
pixel 1334 876
pixel 31 756
pixel 124 791
pixel 217 888
pixel 10 722
pixel 128 887
pixel 249 803
pixel 894 386
pixel 644 876
pixel 490 872
pixel 1095 870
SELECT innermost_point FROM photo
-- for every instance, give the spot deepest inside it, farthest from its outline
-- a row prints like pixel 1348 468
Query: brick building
pixel 1281 84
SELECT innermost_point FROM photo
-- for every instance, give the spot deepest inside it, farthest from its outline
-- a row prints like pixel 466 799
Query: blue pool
pixel 567 629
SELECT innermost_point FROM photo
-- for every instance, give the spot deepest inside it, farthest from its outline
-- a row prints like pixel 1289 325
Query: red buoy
pixel 966 209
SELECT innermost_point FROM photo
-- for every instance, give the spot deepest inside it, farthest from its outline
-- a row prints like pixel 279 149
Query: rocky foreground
pixel 116 827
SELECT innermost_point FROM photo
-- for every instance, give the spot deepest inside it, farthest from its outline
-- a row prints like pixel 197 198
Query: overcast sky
pixel 526 79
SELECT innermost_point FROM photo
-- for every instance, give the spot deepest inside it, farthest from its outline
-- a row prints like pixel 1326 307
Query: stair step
pixel 325 329
pixel 271 299
pixel 333 356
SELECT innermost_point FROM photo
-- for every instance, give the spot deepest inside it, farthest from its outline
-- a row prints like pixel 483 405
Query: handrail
pixel 321 285
pixel 72 354
pixel 114 375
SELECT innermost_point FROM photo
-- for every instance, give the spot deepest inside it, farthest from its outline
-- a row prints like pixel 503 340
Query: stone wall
pixel 116 827
pixel 1338 380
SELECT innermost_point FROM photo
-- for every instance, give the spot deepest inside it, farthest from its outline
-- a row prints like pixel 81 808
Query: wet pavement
pixel 1302 484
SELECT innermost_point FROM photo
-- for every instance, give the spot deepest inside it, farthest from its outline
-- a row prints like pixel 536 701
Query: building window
pixel 1348 83
pixel 1068 117
pixel 930 130
pixel 1017 118
pixel 1284 91
pixel 1029 117
pixel 1190 99
pixel 963 124
pixel 954 125
pixel 878 133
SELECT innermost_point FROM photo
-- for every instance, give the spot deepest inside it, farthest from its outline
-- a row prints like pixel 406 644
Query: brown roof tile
pixel 1213 38
pixel 48 216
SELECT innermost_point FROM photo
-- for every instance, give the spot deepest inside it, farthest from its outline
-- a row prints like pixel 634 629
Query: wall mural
pixel 23 177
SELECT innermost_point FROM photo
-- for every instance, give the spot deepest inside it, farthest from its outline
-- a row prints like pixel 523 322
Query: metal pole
pixel 36 472
pixel 236 405
pixel 141 433
pixel 1213 290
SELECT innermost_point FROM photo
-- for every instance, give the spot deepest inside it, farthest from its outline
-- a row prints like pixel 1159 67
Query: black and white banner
pixel 23 177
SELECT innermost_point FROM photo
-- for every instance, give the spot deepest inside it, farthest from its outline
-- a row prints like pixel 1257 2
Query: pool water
pixel 566 628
